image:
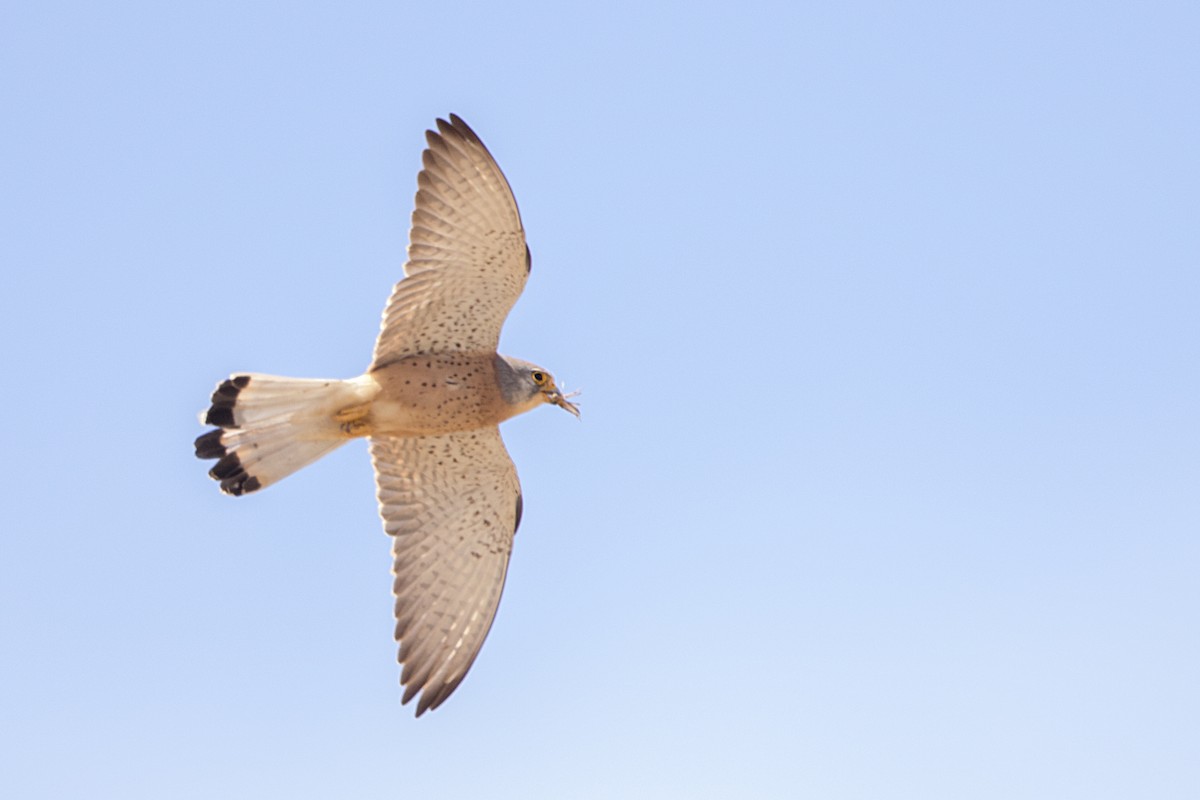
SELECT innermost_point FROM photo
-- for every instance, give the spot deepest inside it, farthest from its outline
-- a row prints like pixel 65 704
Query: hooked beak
pixel 559 399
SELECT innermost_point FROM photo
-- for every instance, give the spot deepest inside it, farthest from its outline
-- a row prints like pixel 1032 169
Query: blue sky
pixel 887 320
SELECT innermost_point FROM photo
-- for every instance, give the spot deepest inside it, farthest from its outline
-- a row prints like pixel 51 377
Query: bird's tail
pixel 268 427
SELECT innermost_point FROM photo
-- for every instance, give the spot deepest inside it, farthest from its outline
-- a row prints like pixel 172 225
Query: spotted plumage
pixel 429 404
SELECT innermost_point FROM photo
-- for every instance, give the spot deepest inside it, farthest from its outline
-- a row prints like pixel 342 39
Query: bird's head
pixel 527 385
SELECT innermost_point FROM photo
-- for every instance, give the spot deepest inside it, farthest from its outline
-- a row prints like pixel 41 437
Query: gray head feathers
pixel 516 379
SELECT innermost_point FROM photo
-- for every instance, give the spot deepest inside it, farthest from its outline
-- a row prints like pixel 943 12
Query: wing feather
pixel 467 247
pixel 450 502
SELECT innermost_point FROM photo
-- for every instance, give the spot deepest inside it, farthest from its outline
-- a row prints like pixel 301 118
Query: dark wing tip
pixel 461 128
pixel 432 698
pixel 448 132
pixel 432 692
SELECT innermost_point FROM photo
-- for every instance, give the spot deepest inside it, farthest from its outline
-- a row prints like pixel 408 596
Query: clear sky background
pixel 887 319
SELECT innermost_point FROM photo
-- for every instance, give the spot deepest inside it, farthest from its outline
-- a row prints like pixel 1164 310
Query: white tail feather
pixel 269 426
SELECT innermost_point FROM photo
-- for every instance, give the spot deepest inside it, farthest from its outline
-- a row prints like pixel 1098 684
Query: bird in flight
pixel 429 404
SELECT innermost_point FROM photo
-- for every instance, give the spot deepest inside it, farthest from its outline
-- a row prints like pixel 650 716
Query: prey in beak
pixel 559 399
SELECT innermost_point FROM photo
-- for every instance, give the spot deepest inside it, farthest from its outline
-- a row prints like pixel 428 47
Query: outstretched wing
pixel 467 258
pixel 453 503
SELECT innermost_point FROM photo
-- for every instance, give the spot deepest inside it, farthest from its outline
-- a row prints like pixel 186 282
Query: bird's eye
pixel 539 377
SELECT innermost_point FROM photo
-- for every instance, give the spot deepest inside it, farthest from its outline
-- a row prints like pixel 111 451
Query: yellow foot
pixel 354 421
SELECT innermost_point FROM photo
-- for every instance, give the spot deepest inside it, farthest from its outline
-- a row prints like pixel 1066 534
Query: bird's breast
pixel 435 394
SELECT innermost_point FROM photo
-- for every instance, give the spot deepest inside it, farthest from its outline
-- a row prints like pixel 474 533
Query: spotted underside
pixel 451 501
pixel 467 257
pixel 453 504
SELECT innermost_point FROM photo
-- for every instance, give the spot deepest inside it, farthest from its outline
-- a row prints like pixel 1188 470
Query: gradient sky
pixel 887 318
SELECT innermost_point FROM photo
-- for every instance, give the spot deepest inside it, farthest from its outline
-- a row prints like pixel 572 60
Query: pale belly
pixel 427 395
